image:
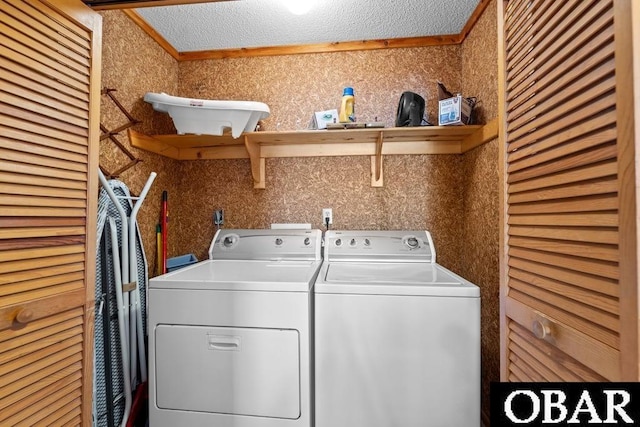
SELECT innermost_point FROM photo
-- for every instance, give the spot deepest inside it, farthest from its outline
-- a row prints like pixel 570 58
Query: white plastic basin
pixel 210 117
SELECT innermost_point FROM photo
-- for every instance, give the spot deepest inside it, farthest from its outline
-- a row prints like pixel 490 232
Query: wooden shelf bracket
pixel 257 163
pixel 376 163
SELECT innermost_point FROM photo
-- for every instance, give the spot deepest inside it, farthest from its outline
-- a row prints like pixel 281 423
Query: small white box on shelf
pixel 454 111
pixel 322 118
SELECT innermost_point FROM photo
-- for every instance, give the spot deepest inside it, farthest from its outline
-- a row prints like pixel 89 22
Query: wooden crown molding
pixel 128 4
pixel 407 42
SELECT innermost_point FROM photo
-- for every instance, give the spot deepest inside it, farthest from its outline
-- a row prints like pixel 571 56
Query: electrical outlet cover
pixel 327 213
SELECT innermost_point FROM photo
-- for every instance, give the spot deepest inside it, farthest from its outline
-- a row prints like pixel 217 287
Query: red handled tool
pixel 164 220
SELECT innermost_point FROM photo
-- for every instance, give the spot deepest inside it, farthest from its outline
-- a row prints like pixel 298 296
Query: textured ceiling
pixel 261 23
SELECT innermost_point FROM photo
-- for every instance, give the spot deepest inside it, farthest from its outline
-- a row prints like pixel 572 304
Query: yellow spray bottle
pixel 347 108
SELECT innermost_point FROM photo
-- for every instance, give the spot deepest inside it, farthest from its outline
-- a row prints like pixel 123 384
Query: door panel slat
pixel 590 203
pixel 43 106
pixel 522 26
pixel 26 47
pixel 598 219
pixel 585 297
pixel 35 253
pixel 9 408
pixel 39 181
pixel 569 99
pixel 19 57
pixel 39 202
pixel 38 211
pixel 592 322
pixel 43 337
pixel 27 190
pixel 27 275
pixel 578 118
pixel 44 36
pixel 574 234
pixel 524 370
pixel 10 71
pixel 571 369
pixel 36 403
pixel 73 143
pixel 518 354
pixel 43 27
pixel 35 326
pixel 516 12
pixel 584 250
pixel 58 23
pixel 44 50
pixel 40 360
pixel 558 21
pixel 584 188
pixel 42 262
pixel 568 156
pixel 25 169
pixel 547 114
pixel 591 282
pixel 33 96
pixel 593 68
pixel 40 283
pixel 568 136
pixel 52 163
pixel 601 268
pixel 51 150
pixel 37 120
pixel 25 233
pixel 554 50
pixel 62 409
pixel 583 173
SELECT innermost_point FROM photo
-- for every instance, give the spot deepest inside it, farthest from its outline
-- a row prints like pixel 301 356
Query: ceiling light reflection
pixel 299 7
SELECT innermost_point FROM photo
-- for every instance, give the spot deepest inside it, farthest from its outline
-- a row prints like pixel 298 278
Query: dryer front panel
pixel 224 370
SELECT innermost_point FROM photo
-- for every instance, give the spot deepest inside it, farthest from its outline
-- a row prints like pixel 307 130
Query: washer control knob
pixel 307 241
pixel 352 242
pixel 228 241
pixel 278 241
pixel 338 242
pixel 367 242
pixel 412 242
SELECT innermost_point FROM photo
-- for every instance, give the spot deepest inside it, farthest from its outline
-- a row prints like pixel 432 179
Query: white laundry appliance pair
pixel 397 337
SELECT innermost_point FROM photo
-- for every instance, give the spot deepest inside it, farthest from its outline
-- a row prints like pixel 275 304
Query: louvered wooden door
pixel 569 282
pixel 49 121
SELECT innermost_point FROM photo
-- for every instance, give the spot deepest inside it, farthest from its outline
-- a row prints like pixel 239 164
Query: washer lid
pixel 393 279
pixel 242 275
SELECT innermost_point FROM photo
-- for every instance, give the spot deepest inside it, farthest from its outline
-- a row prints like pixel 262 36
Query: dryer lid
pixel 242 275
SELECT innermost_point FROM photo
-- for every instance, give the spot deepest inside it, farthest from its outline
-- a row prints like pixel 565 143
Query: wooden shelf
pixel 257 146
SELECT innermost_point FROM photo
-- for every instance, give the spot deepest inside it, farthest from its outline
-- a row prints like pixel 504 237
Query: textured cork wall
pixel 481 185
pixel 132 63
pixel 420 191
pixel 295 86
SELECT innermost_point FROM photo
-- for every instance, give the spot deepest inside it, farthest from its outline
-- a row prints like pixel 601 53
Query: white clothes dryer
pixel 230 341
pixel 397 336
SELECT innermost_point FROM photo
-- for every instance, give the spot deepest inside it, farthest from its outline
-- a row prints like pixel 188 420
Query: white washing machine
pixel 230 341
pixel 397 336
